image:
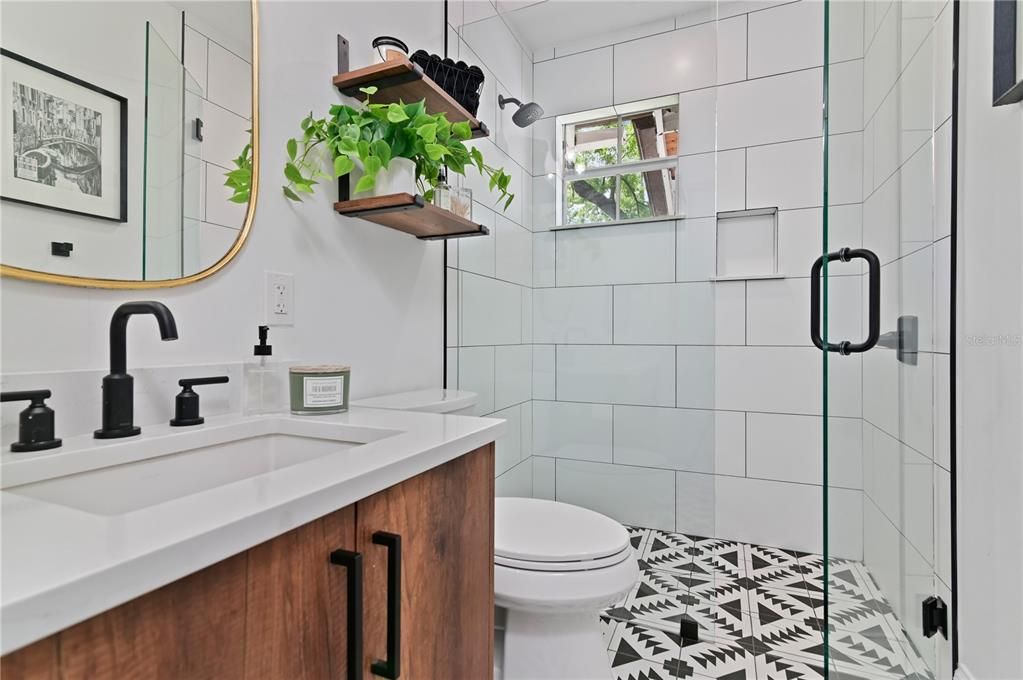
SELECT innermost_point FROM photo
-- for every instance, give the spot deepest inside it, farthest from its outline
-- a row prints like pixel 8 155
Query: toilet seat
pixel 537 534
pixel 569 566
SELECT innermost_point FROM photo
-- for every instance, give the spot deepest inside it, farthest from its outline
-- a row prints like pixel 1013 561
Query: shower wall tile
pixel 639 496
pixel 516 482
pixel 803 47
pixel 790 448
pixel 697 185
pixel 696 132
pixel 572 315
pixel 543 372
pixel 476 374
pixel 514 246
pixel 777 311
pixel 513 371
pixel 680 314
pixel 669 62
pixel 477 254
pixel 696 249
pixel 731 180
pixel 611 374
pixel 942 415
pixel 732 59
pixel 229 81
pixel 680 439
pixel 769 110
pixel 767 379
pixel 543 477
pixel 545 150
pixel 543 259
pixel 633 253
pixel 508 447
pixel 746 509
pixel 491 311
pixel 845 97
pixel 695 506
pixel 574 83
pixel 572 430
pixel 800 186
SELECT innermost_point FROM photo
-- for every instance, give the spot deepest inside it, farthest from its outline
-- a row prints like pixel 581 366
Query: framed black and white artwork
pixel 63 141
pixel 1007 62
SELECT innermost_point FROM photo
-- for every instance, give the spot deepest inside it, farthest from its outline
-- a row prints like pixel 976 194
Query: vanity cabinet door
pixel 444 518
pixel 191 629
pixel 295 624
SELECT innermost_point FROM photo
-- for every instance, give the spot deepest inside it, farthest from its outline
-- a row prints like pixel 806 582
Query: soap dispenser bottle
pixel 264 380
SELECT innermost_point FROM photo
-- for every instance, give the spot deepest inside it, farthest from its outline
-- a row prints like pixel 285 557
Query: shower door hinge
pixel 935 617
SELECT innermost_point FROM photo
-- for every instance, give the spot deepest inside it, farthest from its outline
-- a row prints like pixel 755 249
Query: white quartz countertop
pixel 60 565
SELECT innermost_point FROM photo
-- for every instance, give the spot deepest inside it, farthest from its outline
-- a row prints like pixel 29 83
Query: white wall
pixel 364 295
pixel 690 404
pixel 490 277
pixel 990 367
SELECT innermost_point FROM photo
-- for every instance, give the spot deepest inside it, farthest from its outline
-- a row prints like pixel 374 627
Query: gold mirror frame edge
pixel 87 282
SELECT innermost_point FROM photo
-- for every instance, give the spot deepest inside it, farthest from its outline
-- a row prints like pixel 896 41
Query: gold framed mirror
pixel 123 123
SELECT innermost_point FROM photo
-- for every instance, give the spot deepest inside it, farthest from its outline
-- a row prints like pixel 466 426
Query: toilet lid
pixel 537 530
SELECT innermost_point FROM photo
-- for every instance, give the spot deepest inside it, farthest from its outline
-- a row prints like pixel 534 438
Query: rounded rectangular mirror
pixel 129 133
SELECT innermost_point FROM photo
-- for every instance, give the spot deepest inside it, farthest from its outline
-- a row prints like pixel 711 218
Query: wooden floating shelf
pixel 411 214
pixel 398 79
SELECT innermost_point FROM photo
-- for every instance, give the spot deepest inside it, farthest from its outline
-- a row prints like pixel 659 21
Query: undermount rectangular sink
pixel 124 488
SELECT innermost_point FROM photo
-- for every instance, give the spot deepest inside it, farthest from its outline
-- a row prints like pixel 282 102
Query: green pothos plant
pixel 239 180
pixel 372 136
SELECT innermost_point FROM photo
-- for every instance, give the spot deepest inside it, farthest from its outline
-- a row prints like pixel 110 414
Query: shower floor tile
pixel 708 608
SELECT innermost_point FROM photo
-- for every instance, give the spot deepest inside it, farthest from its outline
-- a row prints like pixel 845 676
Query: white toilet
pixel 556 566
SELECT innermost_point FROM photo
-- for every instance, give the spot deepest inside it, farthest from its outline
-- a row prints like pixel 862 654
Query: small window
pixel 619 163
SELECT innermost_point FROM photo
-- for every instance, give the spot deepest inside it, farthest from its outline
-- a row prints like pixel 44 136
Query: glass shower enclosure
pixel 718 312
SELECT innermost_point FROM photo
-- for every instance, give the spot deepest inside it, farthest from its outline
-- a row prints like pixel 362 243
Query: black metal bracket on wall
pixel 344 185
pixel 1006 83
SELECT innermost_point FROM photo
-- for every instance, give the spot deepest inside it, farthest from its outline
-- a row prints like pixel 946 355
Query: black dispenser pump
pixel 263 349
pixel 35 424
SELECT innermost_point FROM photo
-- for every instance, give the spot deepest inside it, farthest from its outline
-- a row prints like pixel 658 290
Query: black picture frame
pixel 1007 85
pixel 122 138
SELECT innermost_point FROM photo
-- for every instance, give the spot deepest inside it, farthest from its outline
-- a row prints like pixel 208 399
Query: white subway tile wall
pixel 224 103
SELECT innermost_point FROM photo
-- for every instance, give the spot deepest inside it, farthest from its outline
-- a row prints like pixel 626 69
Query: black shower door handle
pixel 874 301
pixel 352 561
pixel 390 667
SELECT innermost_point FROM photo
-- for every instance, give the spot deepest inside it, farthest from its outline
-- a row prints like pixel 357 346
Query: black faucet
pixel 119 387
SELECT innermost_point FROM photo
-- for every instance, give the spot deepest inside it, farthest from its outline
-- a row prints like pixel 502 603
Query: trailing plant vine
pixel 369 138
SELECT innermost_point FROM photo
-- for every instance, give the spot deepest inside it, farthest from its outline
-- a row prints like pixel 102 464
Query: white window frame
pixel 615 111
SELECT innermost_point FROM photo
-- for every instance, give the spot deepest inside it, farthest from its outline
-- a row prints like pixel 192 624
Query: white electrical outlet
pixel 280 299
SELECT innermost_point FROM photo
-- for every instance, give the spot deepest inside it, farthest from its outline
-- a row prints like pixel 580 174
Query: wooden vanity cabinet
pixel 280 610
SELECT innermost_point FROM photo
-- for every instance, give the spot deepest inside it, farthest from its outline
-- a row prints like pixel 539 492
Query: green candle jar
pixel 319 390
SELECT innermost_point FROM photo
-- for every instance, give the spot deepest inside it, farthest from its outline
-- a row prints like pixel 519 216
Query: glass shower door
pixel 879 301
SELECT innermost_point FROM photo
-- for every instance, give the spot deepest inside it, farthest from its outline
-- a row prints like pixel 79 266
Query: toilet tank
pixel 434 400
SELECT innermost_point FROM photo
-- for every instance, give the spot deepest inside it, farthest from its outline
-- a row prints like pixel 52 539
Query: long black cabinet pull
pixel 391 666
pixel 874 302
pixel 352 561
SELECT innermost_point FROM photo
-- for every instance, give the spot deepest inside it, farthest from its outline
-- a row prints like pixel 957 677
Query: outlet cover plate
pixel 280 299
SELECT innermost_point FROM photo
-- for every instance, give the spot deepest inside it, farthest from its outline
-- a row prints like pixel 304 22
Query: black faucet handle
pixel 186 404
pixel 213 380
pixel 35 423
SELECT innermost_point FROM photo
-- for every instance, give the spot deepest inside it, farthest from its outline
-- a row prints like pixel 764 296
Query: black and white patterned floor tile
pixel 707 608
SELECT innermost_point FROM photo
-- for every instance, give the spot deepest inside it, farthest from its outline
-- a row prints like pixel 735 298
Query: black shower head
pixel 526 115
